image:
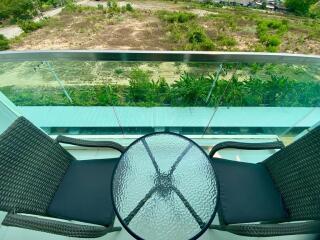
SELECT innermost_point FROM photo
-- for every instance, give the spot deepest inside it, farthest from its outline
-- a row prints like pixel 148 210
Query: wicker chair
pixel 38 179
pixel 295 172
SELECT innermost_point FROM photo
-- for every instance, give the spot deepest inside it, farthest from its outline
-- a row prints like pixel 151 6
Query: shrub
pixel 70 6
pixel 265 87
pixel 190 90
pixel 140 86
pixel 199 40
pixel 300 7
pixel 118 71
pixel 129 7
pixel 30 26
pixel 4 43
pixel 176 17
pixel 315 10
pixel 17 10
pixel 143 91
pixel 113 7
pixel 225 40
pixel 270 33
pixel 197 36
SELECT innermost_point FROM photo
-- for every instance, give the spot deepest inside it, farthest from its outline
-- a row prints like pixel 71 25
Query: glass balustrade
pixel 130 94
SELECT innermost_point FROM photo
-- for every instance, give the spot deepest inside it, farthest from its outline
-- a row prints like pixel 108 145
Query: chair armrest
pixel 246 146
pixel 63 228
pixel 88 143
pixel 270 230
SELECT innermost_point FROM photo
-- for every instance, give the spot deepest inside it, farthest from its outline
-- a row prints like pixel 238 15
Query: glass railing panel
pixel 280 99
pixel 135 97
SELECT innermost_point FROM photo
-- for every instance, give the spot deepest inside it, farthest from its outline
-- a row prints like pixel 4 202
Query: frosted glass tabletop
pixel 164 187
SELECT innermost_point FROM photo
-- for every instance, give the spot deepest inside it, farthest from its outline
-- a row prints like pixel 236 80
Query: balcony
pixel 120 96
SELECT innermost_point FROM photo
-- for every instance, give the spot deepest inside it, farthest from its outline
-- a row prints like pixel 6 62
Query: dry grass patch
pixel 94 29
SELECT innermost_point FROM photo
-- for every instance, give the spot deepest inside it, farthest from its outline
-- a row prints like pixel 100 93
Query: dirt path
pixel 11 31
pixel 14 30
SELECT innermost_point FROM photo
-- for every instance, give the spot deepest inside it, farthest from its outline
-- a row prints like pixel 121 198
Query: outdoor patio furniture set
pixel 162 186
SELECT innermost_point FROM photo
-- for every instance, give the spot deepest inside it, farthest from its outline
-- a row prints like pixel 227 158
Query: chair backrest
pixel 296 172
pixel 31 167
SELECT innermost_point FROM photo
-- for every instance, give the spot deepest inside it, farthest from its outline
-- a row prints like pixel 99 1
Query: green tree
pixel 17 9
pixel 300 7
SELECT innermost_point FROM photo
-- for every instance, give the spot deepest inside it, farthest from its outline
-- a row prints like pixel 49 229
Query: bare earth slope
pixel 142 29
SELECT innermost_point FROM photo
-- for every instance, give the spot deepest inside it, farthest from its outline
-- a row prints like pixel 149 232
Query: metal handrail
pixel 158 56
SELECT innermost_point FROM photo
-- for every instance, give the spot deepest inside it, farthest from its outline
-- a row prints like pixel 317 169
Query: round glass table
pixel 164 187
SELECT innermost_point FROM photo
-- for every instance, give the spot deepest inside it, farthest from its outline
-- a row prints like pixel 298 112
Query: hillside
pixel 166 25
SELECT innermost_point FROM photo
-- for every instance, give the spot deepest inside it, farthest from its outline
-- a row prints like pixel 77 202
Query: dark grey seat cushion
pixel 247 193
pixel 85 193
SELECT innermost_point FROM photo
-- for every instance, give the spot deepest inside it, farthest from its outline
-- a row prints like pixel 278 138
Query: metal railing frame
pixel 158 56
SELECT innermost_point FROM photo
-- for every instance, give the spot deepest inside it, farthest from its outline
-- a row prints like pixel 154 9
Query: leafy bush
pixel 113 7
pixel 199 40
pixel 225 40
pixel 190 90
pixel 315 10
pixel 129 7
pixel 265 87
pixel 140 86
pixel 17 9
pixel 300 7
pixel 270 33
pixel 176 17
pixel 70 6
pixel 30 26
pixel 143 91
pixel 4 43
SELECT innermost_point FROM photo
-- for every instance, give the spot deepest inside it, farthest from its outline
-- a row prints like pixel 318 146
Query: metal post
pixel 56 77
pixel 214 82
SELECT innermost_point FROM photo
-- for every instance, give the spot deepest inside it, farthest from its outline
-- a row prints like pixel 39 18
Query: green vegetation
pixel 300 7
pixel 129 7
pixel 14 10
pixel 225 40
pixel 270 33
pixel 188 25
pixel 114 9
pixel 4 43
pixel 29 26
pixel 176 17
pixel 268 89
pixel 144 91
pixel 314 10
pixel 239 28
pixel 198 40
pixel 185 31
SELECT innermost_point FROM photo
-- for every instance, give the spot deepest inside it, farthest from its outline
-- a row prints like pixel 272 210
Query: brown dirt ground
pixel 98 32
pixel 142 30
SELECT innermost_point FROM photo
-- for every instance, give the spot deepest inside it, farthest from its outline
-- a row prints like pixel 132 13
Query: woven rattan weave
pixel 296 172
pixel 32 166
